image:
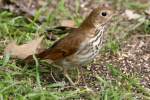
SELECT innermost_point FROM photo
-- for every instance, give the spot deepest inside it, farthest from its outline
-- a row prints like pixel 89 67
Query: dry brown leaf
pixel 68 23
pixel 131 15
pixel 24 50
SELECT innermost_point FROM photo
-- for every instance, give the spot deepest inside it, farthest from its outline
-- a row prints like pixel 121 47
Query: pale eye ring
pixel 104 14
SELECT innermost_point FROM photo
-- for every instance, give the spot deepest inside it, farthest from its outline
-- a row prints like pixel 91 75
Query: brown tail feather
pixel 41 55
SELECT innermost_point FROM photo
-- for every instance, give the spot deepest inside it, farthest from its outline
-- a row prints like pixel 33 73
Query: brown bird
pixel 82 44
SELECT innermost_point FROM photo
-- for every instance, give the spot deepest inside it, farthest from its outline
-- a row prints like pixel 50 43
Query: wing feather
pixel 63 48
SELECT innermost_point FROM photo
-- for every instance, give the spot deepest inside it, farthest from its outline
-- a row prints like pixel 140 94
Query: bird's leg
pixel 78 78
pixel 82 75
pixel 67 76
pixel 53 76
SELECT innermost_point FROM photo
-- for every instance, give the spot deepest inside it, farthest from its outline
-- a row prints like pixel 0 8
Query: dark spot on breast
pixel 96 47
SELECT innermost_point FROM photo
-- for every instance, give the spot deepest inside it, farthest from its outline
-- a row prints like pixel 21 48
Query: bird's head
pixel 100 16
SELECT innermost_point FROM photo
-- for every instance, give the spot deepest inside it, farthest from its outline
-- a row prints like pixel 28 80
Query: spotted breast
pixel 88 52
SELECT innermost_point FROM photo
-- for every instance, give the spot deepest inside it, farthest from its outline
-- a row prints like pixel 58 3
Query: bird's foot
pixel 69 79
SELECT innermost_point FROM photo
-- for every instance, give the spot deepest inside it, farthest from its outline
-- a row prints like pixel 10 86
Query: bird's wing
pixel 60 30
pixel 63 48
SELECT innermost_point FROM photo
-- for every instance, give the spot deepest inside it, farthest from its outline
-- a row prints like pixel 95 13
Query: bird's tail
pixel 42 56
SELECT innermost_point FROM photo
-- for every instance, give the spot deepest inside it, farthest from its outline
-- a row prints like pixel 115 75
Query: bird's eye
pixel 104 14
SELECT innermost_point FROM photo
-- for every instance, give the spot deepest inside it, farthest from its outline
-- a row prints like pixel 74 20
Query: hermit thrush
pixel 82 44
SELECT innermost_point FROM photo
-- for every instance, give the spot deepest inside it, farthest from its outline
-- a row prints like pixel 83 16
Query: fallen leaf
pixel 24 50
pixel 131 15
pixel 68 23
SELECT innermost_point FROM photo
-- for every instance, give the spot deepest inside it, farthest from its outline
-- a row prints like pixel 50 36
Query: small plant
pixel 147 27
pixel 112 46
